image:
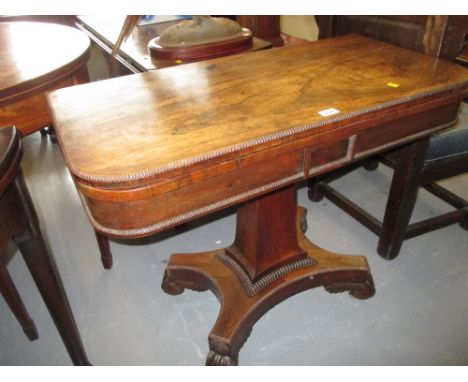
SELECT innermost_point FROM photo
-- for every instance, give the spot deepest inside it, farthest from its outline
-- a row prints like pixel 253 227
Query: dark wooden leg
pixel 315 183
pixel 464 223
pixel 269 261
pixel 44 272
pixel 52 135
pixel 49 131
pixel 104 249
pixel 13 299
pixel 409 162
pixel 314 189
pixel 371 164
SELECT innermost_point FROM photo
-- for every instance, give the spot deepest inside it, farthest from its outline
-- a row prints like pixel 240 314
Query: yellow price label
pixel 393 84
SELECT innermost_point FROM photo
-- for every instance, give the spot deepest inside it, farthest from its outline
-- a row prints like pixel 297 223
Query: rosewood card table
pixel 151 151
pixel 37 57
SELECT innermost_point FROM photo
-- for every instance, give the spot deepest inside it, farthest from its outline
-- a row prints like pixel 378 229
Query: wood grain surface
pixel 175 114
pixel 37 57
pixel 153 150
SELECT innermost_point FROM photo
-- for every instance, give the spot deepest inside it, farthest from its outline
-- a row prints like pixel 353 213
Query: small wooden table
pixel 37 57
pixel 154 150
pixel 133 55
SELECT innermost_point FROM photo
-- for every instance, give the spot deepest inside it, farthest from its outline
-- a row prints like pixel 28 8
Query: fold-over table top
pixel 131 129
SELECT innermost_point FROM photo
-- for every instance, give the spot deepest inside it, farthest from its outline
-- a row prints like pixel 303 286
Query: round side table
pixel 37 57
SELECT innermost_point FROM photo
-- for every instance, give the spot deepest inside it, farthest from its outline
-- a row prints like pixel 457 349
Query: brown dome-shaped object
pixel 200 37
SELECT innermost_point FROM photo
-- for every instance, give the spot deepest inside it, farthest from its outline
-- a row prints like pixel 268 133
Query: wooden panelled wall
pixel 440 36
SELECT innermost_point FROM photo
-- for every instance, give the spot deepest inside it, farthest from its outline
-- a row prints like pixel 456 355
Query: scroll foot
pixel 217 359
pixel 360 290
pixel 170 286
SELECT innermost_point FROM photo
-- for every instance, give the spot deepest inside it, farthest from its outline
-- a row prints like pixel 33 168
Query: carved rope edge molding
pixel 191 214
pixel 346 158
pixel 252 288
pixel 350 151
pixel 403 140
pixel 253 142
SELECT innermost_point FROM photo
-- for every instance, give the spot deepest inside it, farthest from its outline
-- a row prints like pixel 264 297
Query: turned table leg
pixel 104 250
pixel 270 261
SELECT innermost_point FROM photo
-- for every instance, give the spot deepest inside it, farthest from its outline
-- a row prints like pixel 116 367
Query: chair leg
pixel 104 249
pixel 14 301
pixel 371 164
pixel 315 195
pixel 44 272
pixel 402 198
pixel 464 223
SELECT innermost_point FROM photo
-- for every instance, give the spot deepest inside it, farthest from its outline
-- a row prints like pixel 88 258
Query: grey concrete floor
pixel 419 315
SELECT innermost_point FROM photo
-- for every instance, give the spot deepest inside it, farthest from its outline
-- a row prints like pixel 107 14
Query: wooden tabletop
pixel 143 125
pixel 35 56
pixel 134 53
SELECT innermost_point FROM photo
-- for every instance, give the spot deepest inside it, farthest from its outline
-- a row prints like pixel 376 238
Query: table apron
pixel 144 210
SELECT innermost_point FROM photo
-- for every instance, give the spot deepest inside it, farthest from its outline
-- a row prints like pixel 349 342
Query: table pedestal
pixel 270 261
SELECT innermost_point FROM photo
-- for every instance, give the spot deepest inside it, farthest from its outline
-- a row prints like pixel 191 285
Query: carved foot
pixel 216 359
pixel 173 286
pixel 170 286
pixel 360 290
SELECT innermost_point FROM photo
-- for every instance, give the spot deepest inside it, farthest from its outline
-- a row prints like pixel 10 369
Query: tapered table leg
pixel 44 272
pixel 249 287
pixel 14 301
pixel 104 250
